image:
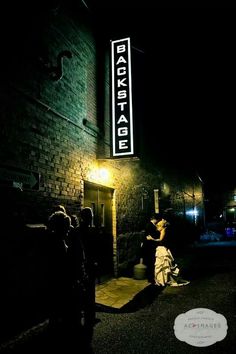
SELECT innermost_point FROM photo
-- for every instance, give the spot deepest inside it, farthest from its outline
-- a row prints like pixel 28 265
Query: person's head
pixel 59 223
pixel 60 208
pixel 155 218
pixel 74 220
pixel 86 215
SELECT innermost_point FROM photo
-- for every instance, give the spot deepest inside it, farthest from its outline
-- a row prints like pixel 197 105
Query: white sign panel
pixel 122 110
pixel 200 327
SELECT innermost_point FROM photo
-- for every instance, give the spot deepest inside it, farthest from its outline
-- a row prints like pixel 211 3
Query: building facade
pixel 56 141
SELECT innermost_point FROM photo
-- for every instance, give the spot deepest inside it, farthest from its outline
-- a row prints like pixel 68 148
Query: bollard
pixel 140 270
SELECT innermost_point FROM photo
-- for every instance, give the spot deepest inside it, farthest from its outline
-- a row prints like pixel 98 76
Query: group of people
pixel 161 267
pixel 72 276
pixel 73 270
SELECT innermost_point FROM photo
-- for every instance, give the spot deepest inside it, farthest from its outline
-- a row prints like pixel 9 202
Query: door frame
pixel 113 218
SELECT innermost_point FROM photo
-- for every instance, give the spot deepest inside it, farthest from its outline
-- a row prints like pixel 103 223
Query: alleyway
pixel 148 328
pixel 145 325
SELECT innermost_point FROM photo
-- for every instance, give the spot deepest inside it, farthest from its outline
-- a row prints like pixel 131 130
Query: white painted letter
pixel 121 71
pixel 122 131
pixel 120 82
pixel 120 48
pixel 122 144
pixel 121 60
pixel 122 119
pixel 122 94
pixel 122 105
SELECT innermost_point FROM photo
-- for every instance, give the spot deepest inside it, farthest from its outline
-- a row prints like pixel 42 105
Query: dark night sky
pixel 184 87
pixel 184 78
pixel 191 96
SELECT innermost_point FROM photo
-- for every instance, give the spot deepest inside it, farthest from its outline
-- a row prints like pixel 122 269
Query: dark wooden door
pixel 99 198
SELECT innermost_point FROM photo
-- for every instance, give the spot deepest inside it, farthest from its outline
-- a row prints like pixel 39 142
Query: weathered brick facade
pixel 53 127
pixel 56 124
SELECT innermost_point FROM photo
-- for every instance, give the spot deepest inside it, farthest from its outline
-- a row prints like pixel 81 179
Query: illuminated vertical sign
pixel 122 109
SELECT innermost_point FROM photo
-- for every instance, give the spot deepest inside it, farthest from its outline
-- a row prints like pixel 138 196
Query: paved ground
pixel 146 324
pixel 113 294
pixel 125 304
pixel 116 293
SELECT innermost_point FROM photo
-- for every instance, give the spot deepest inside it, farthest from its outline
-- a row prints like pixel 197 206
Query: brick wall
pixel 43 128
pixel 43 131
pixel 58 129
pixel 55 129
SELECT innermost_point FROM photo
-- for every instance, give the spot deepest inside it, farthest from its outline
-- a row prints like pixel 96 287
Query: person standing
pixel 166 270
pixel 58 227
pixel 82 253
pixel 149 246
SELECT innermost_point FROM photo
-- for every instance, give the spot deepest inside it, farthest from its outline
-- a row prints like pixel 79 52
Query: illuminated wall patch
pixel 122 110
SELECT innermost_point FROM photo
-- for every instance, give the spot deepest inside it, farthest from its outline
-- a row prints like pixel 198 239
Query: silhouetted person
pixel 59 224
pixel 83 262
pixel 149 246
pixel 60 207
pixel 74 221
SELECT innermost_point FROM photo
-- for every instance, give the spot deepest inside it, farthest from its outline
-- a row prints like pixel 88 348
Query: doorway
pixel 99 198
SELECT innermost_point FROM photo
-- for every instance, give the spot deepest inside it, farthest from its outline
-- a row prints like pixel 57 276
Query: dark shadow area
pixel 36 340
pixel 106 309
pixel 208 260
pixel 141 300
pixel 42 339
pixel 24 279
